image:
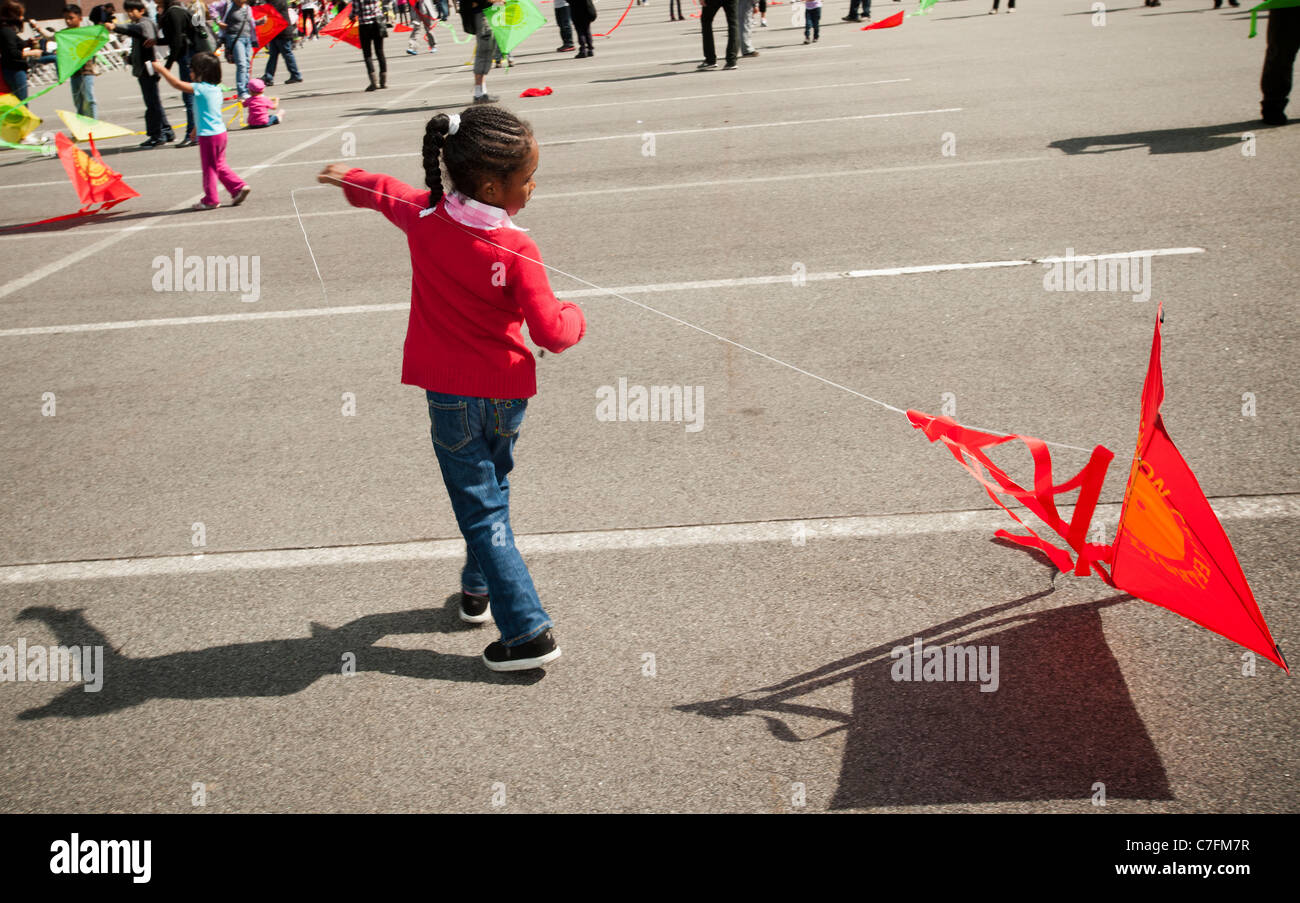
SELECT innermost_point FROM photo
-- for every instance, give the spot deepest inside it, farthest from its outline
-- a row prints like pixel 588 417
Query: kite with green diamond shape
pixel 74 47
pixel 513 21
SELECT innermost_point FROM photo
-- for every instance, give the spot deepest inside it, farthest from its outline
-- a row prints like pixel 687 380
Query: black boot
pixel 370 71
pixel 383 78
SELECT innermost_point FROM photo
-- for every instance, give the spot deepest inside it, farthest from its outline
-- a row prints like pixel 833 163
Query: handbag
pixel 591 10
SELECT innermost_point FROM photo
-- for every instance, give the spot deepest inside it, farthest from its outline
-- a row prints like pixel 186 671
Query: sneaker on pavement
pixel 539 651
pixel 474 608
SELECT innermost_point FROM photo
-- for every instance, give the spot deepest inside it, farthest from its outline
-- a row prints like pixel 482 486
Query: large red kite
pixel 1170 548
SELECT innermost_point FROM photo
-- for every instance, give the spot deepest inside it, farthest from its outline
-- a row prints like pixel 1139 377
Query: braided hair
pixel 490 142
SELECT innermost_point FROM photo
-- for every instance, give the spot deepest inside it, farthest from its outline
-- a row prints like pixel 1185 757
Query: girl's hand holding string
pixel 334 174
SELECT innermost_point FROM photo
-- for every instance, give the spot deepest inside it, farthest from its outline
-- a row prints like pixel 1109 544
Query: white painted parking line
pixel 80 233
pixel 581 293
pixel 552 142
pixel 812 530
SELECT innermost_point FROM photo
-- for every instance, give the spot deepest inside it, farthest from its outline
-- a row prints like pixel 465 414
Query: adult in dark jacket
pixel 144 35
pixel 178 34
pixel 282 45
pixel 13 49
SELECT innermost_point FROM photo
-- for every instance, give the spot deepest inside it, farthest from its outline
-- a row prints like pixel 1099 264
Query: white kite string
pixel 647 307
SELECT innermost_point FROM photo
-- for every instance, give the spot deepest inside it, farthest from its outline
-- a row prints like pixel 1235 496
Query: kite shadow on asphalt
pixel 110 218
pixel 278 667
pixel 1195 139
pixel 1060 721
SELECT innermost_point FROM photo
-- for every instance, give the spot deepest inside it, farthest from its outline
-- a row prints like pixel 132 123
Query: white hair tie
pixel 453 123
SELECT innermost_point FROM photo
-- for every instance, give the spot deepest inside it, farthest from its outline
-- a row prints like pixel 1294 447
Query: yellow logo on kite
pixel 95 173
pixel 1150 518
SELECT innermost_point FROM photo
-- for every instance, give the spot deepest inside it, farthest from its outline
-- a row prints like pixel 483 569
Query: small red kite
pixel 892 22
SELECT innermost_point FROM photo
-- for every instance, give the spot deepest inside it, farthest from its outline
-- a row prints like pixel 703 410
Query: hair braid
pixel 490 142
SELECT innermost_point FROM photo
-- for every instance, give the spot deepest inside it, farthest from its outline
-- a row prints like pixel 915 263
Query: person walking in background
pixel 426 17
pixel 1011 6
pixel 583 13
pixel 144 35
pixel 866 11
pixel 745 16
pixel 475 23
pixel 282 45
pixel 307 19
pixel 177 30
pixel 371 28
pixel 677 16
pixel 1283 39
pixel 707 14
pixel 564 21
pixel 238 27
pixel 812 21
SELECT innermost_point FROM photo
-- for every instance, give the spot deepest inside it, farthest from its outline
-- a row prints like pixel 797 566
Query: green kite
pixel 513 21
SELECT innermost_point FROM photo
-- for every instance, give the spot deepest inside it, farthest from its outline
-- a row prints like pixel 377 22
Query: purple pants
pixel 212 155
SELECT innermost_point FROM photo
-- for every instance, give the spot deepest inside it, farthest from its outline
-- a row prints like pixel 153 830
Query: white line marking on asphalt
pixel 551 142
pixel 631 539
pixel 546 196
pixel 579 293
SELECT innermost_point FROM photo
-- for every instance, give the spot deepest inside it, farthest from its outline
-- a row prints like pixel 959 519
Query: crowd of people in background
pixel 228 29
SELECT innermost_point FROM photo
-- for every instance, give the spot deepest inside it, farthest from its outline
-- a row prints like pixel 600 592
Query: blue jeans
pixel 474 441
pixel 16 79
pixel 866 8
pixel 239 51
pixel 281 45
pixel 83 95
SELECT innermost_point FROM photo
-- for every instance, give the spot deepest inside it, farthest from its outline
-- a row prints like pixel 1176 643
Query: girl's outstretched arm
pixel 392 197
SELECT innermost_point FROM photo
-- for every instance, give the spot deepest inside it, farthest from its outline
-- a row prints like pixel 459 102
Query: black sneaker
pixel 702 66
pixel 474 608
pixel 539 651
pixel 731 65
pixel 294 81
pixel 485 98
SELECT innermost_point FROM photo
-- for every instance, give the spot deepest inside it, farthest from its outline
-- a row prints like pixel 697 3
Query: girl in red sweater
pixel 476 278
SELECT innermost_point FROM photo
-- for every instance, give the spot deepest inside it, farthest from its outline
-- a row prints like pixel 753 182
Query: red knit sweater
pixel 469 298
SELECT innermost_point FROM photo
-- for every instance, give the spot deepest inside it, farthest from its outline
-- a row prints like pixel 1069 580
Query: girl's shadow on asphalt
pixel 262 668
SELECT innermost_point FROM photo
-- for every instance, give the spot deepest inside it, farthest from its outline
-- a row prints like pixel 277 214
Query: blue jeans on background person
pixel 16 79
pixel 866 8
pixel 474 441
pixel 239 51
pixel 444 11
pixel 564 21
pixel 281 44
pixel 83 95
